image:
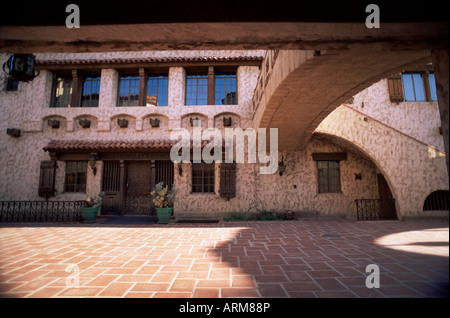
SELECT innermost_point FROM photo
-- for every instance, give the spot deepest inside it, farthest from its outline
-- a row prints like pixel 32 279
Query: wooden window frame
pixel 203 185
pixel 158 77
pixel 141 87
pixel 328 189
pixel 83 81
pixel 211 72
pixel 201 75
pixel 426 86
pixel 236 91
pixel 76 184
pixel 64 77
pixel 327 157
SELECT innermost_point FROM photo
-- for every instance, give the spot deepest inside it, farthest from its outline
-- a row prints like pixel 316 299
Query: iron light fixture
pixel 281 166
pixel 92 162
pixel 21 67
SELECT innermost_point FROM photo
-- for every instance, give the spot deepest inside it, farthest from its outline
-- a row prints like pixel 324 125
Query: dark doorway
pixel 387 202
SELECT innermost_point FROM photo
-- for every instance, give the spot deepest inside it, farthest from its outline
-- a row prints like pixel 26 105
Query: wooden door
pixel 387 202
pixel 138 188
pixel 111 185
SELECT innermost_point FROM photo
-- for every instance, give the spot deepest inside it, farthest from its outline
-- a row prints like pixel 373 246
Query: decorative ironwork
pixel 375 209
pixel 40 211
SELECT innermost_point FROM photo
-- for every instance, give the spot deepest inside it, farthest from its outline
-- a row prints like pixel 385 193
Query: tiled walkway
pixel 230 259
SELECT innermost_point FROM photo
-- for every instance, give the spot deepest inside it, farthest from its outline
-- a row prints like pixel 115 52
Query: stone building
pixel 93 122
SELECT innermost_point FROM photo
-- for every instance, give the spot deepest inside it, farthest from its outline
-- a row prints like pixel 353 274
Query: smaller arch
pixel 122 115
pixel 437 201
pixel 85 116
pixel 153 115
pixel 227 113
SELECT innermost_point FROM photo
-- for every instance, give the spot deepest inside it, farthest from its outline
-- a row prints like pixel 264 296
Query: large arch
pixel 410 167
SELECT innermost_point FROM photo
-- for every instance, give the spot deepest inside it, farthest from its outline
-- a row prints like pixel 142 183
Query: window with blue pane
pixel 225 88
pixel 128 90
pixel 196 89
pixel 413 87
pixel 90 91
pixel 157 87
pixel 432 82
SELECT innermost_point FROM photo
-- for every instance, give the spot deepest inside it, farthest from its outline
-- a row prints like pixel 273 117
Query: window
pixel 432 82
pixel 62 91
pixel 203 177
pixel 90 91
pixel 225 90
pixel 12 85
pixel 329 176
pixel 157 90
pixel 419 87
pixel 128 90
pixel 197 89
pixel 75 180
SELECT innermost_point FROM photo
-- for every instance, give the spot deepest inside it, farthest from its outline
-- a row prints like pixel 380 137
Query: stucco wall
pixel 296 189
pixel 419 120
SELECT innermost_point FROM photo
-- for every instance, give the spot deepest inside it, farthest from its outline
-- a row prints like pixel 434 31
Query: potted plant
pixel 90 210
pixel 163 198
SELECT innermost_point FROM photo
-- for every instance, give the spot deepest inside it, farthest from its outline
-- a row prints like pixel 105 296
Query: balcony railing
pixel 40 211
pixel 375 209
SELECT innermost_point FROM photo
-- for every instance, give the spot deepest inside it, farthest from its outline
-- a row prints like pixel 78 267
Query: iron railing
pixel 375 209
pixel 40 211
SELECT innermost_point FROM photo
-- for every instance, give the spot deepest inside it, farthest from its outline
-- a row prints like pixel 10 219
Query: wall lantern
pixel 92 162
pixel 13 132
pixel 21 67
pixel 281 166
pixel 154 122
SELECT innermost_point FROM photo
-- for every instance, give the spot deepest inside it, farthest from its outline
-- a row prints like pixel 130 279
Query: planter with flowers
pixel 90 210
pixel 163 198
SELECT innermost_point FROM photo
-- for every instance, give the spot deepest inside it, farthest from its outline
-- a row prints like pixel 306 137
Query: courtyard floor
pixel 229 259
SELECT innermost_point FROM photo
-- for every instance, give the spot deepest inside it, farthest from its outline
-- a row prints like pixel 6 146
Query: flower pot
pixel 164 215
pixel 89 214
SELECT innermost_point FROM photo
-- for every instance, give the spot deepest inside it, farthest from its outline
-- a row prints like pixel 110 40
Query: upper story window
pixel 216 86
pixel 90 93
pixel 157 89
pixel 225 88
pixel 196 89
pixel 62 91
pixel 419 87
pixel 75 90
pixel 128 90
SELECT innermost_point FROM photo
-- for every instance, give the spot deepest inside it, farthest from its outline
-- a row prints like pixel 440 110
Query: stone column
pixel 440 64
pixel 109 86
pixel 177 81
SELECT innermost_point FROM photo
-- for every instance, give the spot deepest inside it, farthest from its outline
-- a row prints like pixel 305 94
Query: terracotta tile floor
pixel 229 259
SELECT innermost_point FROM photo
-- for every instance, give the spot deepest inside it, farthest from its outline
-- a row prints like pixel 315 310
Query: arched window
pixel 436 201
